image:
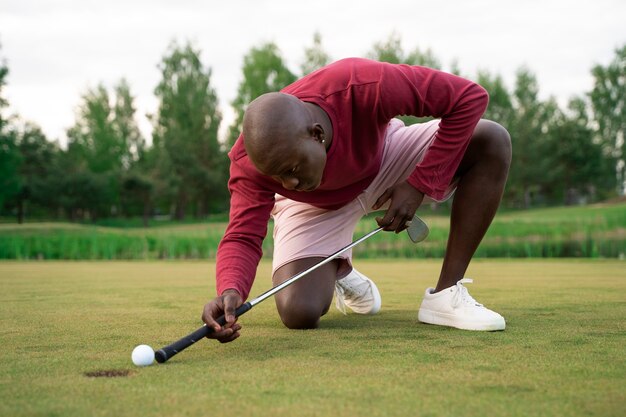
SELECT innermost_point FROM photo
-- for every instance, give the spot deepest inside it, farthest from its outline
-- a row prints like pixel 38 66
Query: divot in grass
pixel 108 373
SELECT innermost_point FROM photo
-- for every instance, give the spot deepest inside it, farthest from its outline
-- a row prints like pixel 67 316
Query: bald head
pixel 272 125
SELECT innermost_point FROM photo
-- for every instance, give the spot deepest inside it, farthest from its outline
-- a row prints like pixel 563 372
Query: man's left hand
pixel 405 200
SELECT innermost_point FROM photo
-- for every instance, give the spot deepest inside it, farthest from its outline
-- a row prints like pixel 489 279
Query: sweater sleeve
pixel 240 251
pixel 459 103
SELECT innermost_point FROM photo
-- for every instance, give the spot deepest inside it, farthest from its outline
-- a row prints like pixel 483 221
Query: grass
pixel 561 355
pixel 48 240
pixel 597 231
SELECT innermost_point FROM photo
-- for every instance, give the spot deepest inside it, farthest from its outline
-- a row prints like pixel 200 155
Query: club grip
pixel 163 354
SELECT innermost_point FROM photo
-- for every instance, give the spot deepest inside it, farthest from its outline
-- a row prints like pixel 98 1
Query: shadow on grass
pixel 347 338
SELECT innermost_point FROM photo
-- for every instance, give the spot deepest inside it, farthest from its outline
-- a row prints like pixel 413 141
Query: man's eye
pixel 292 170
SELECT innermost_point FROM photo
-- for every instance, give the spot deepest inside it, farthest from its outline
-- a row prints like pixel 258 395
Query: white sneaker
pixel 455 307
pixel 357 292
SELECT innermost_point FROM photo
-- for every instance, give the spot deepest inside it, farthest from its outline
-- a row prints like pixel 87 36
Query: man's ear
pixel 317 131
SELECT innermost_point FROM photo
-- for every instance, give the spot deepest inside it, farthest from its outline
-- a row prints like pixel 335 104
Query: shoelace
pixel 462 296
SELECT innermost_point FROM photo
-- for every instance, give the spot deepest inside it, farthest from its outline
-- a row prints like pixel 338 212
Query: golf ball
pixel 143 355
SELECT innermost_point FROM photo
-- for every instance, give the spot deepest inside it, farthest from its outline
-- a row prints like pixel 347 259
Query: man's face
pixel 300 167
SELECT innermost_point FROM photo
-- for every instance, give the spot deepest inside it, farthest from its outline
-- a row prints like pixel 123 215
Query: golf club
pixel 417 231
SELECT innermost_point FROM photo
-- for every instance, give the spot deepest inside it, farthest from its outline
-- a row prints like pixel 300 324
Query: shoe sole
pixel 377 300
pixel 441 319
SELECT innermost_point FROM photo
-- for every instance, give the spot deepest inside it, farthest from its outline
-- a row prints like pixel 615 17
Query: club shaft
pixel 296 277
pixel 417 231
pixel 165 353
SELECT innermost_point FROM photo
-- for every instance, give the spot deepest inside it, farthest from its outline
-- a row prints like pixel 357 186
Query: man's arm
pixel 239 252
pixel 459 103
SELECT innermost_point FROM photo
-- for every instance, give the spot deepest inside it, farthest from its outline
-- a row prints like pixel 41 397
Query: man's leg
pixel 305 235
pixel 483 173
pixel 303 303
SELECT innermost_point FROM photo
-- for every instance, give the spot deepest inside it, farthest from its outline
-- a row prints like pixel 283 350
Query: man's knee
pixel 495 141
pixel 303 303
pixel 299 314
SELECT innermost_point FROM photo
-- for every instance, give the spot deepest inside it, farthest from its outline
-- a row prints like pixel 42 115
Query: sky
pixel 57 49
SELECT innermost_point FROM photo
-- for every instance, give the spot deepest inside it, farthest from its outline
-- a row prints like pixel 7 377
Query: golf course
pixel 69 327
pixel 443 183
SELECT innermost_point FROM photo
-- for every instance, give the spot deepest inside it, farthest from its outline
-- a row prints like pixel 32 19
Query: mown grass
pixel 562 353
pixel 597 231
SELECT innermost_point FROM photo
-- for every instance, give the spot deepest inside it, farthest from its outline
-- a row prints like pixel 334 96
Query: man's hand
pixel 226 304
pixel 405 200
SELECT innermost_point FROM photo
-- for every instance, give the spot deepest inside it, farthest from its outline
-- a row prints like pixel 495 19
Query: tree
pixel 9 156
pixel 315 56
pixel 92 136
pixel 104 141
pixel 578 171
pixel 37 158
pixel 500 108
pixel 608 100
pixel 455 68
pixel 105 129
pixel 82 194
pixel 4 72
pixel 388 51
pixel 391 51
pixel 136 194
pixel 186 133
pixel 528 127
pixel 10 161
pixel 263 71
pixel 424 58
pixel 132 143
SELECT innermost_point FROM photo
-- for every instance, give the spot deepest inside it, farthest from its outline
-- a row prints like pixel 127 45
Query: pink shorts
pixel 303 231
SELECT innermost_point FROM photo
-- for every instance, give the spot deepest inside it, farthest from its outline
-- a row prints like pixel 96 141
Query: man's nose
pixel 290 183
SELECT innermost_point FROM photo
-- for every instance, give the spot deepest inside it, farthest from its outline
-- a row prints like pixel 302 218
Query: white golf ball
pixel 143 355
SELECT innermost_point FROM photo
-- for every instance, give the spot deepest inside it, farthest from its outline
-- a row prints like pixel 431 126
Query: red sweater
pixel 360 97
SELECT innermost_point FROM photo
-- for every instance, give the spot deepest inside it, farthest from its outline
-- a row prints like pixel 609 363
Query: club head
pixel 417 230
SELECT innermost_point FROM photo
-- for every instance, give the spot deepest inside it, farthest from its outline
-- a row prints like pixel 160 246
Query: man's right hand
pixel 225 304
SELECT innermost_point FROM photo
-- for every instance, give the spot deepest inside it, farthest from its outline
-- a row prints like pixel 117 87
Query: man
pixel 327 150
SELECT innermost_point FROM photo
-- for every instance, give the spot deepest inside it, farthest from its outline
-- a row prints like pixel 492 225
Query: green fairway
pixel 562 353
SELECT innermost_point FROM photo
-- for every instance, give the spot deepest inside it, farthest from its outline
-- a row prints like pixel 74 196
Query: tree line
pixel 566 155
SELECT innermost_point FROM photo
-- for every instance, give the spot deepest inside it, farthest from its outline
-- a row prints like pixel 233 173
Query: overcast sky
pixel 56 49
